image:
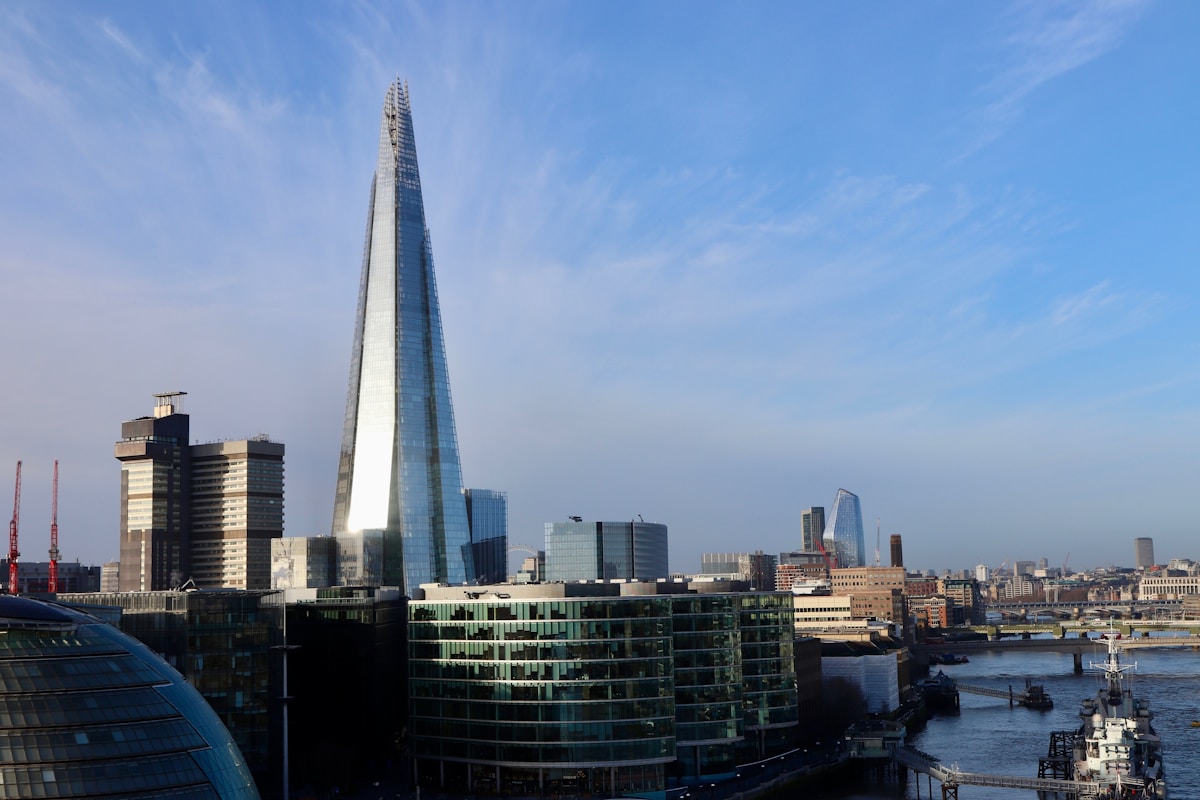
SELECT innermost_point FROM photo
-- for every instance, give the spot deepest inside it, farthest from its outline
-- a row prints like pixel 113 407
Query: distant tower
pixel 844 531
pixel 1143 547
pixel 155 497
pixel 399 513
pixel 812 528
pixel 897 550
pixel 487 512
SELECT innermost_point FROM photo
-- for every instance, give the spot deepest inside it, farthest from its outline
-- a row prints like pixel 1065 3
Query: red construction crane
pixel 13 553
pixel 53 587
pixel 829 562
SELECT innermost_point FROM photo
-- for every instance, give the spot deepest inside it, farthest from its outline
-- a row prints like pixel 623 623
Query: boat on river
pixel 1117 747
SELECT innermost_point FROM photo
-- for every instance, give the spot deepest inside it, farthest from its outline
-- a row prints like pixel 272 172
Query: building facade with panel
pixel 812 528
pixel 155 497
pixel 303 562
pixel 88 711
pixel 588 551
pixel 561 695
pixel 844 531
pixel 487 515
pixel 346 645
pixel 204 512
pixel 601 688
pixel 33 577
pixel 218 640
pixel 237 511
pixel 399 516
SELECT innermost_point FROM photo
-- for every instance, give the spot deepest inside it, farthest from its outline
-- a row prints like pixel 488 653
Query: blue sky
pixel 705 263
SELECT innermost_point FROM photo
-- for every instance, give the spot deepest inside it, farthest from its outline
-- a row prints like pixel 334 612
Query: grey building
pixel 585 551
pixel 399 515
pixel 1143 547
pixel 33 577
pixel 110 576
pixel 757 568
pixel 812 528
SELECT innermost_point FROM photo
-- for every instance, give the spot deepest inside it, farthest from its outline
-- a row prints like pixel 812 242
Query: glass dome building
pixel 86 710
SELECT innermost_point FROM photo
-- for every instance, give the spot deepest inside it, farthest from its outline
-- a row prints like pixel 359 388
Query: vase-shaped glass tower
pixel 399 514
pixel 844 532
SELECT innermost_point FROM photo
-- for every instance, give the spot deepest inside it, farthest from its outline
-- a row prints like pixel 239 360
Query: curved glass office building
pixel 88 711
pixel 399 513
pixel 562 696
pixel 601 688
pixel 844 531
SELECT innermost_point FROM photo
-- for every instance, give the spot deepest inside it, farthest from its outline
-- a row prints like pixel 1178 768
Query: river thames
pixel 990 737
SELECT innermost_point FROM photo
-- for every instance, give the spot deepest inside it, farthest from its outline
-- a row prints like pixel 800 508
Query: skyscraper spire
pixel 399 513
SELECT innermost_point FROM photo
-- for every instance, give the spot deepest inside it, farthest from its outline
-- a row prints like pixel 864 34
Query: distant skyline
pixel 705 265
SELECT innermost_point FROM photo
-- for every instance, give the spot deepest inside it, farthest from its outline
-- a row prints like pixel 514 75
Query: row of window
pixel 584 753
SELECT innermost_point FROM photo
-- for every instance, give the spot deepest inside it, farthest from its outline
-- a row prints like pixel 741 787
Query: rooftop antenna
pixel 13 552
pixel 53 584
pixel 877 541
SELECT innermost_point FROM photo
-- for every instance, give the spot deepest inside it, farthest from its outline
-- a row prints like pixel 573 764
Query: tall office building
pixel 1143 552
pixel 844 531
pixel 204 512
pixel 399 516
pixel 812 528
pixel 897 545
pixel 237 510
pixel 155 497
pixel 487 515
pixel 588 551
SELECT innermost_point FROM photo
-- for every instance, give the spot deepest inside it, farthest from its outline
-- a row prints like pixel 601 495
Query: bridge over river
pixel 951 777
pixel 1076 646
pixel 879 739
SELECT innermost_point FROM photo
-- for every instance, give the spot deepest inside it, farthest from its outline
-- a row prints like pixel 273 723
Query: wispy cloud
pixel 1047 40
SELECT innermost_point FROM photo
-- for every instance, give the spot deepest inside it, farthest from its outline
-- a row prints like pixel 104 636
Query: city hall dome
pixel 86 710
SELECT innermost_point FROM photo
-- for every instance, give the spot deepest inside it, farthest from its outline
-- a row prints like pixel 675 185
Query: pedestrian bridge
pixel 878 739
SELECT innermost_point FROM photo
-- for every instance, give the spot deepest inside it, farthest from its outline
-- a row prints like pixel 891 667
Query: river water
pixel 990 737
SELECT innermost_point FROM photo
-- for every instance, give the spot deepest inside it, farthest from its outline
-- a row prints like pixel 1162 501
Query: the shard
pixel 399 513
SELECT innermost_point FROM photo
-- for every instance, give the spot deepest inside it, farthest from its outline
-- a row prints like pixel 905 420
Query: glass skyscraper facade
pixel 708 683
pixel 844 532
pixel 487 513
pixel 399 515
pixel 561 696
pixel 588 551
